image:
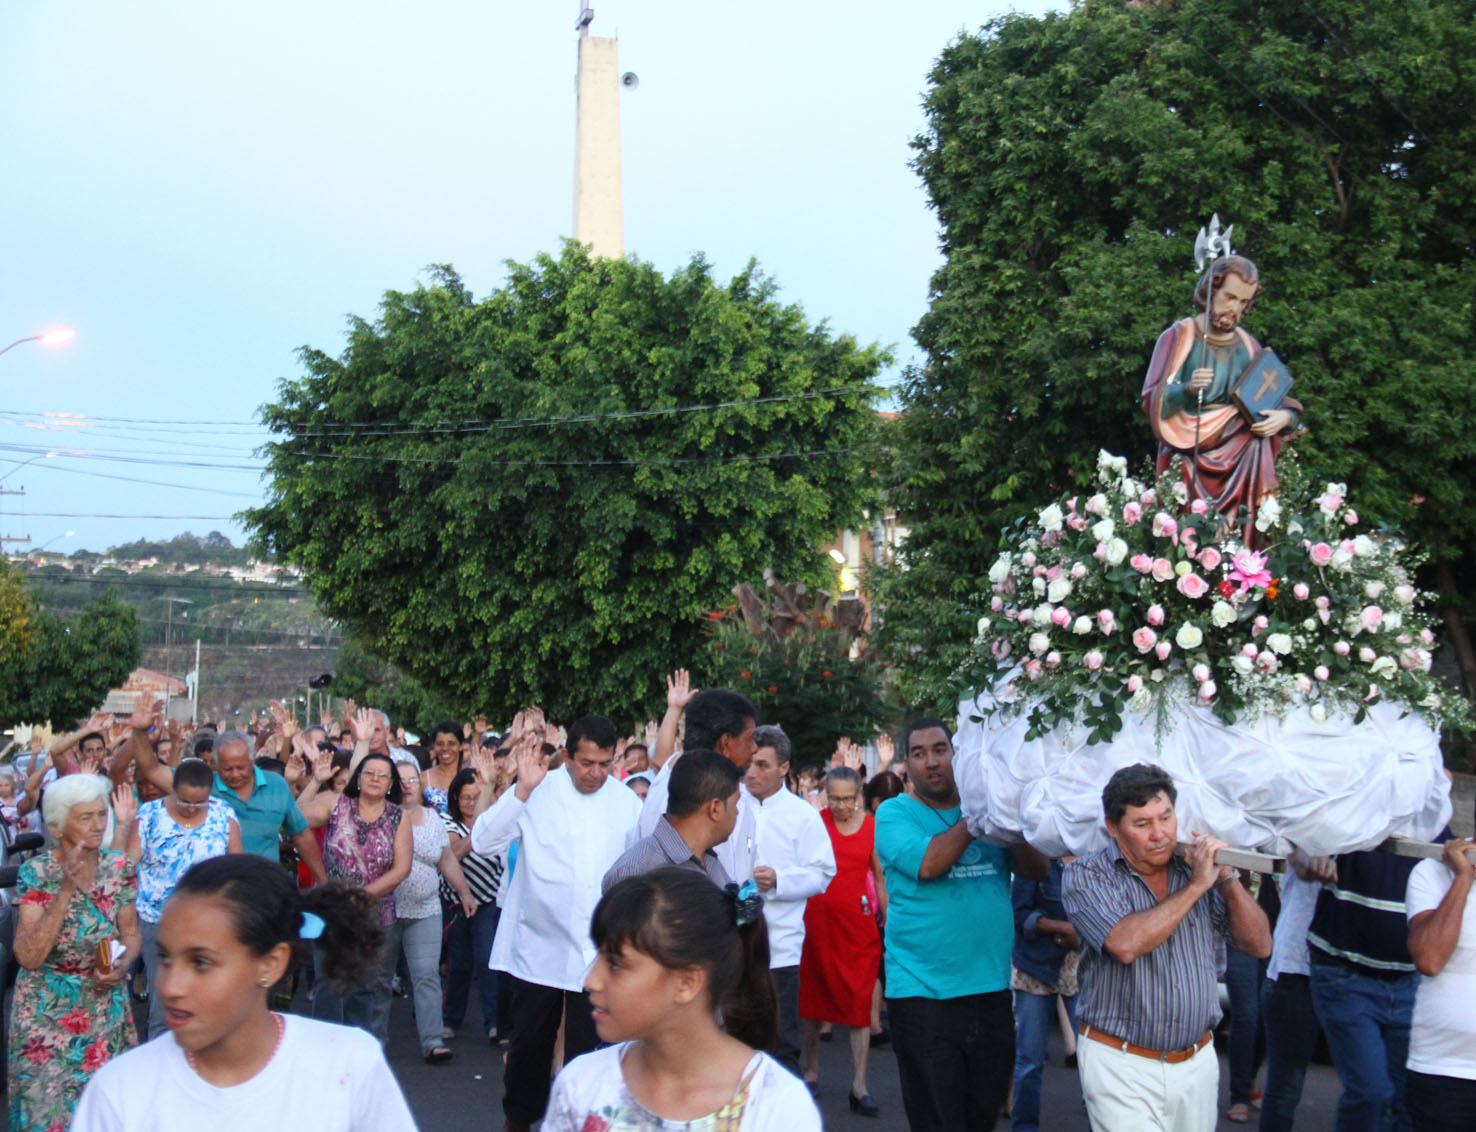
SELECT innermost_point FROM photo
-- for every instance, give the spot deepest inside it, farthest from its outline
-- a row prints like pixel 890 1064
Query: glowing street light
pixel 49 541
pixel 48 338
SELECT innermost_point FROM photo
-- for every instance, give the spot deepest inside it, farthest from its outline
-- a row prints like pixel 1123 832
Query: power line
pixel 411 428
pixel 96 515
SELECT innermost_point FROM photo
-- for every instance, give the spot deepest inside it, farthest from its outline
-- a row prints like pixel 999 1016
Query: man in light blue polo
pixel 950 933
pixel 263 804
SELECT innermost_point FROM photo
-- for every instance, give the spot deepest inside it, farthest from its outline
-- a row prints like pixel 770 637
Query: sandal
pixel 437 1054
pixel 1238 1113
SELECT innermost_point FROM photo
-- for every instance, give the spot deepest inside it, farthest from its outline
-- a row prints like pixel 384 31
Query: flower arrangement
pixel 1132 598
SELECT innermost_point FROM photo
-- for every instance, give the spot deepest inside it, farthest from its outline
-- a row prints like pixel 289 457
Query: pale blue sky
pixel 198 189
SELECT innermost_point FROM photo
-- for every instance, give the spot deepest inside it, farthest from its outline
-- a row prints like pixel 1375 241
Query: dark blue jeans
pixel 1035 1017
pixel 1291 1030
pixel 953 1059
pixel 1441 1104
pixel 1244 975
pixel 468 944
pixel 1366 1020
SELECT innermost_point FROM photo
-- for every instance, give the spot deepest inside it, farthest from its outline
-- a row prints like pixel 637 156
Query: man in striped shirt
pixel 1147 923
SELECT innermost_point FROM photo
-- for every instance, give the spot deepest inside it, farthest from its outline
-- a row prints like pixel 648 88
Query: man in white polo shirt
pixel 570 826
pixel 793 861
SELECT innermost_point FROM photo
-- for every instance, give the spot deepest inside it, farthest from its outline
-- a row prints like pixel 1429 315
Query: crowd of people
pixel 661 930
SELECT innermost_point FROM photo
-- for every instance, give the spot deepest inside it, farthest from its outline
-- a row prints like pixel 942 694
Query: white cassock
pixel 566 841
pixel 791 840
pixel 736 853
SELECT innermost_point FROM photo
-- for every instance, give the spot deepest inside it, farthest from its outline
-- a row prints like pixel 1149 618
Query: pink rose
pixel 1053 658
pixel 1207 691
pixel 1164 525
pixel 1106 621
pixel 1093 660
pixel 1427 637
pixel 1134 684
pixel 1350 517
pixel 1071 504
pixel 1371 617
pixel 1321 672
pixel 1025 617
pixel 1300 591
pixel 1209 558
pixel 1142 563
pixel 1201 672
pixel 1148 498
pixel 1375 590
pixel 1189 540
pixel 1373 693
pixel 1033 669
pixel 1199 507
pixel 1304 685
pixel 1077 523
pixel 1144 638
pixel 1061 616
pixel 1132 514
pixel 1155 615
pixel 1342 648
pixel 1163 650
pixel 996 603
pixel 1078 571
pixel 1000 649
pixel 1259 625
pixel 1163 570
pixel 1320 553
pixel 1367 655
pixel 1193 586
pixel 1249 650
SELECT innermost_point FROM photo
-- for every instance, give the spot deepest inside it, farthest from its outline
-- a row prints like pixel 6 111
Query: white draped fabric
pixel 1267 785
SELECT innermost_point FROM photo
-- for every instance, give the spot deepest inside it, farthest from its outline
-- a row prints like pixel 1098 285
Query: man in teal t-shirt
pixel 950 931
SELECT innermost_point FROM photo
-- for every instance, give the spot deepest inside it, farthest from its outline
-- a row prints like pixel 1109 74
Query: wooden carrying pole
pixel 1428 850
pixel 1246 859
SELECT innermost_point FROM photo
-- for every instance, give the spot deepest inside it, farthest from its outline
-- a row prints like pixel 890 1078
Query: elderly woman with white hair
pixel 76 937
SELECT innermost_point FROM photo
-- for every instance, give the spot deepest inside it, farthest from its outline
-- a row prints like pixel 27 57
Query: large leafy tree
pixel 1072 158
pixel 60 668
pixel 536 496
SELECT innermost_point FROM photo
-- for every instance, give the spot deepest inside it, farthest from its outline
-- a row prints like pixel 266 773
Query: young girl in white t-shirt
pixel 673 950
pixel 234 927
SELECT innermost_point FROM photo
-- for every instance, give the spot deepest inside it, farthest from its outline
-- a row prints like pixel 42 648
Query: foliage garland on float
pixel 1130 599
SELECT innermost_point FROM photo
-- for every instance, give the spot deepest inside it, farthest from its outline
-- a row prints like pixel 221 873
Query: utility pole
pixel 13 538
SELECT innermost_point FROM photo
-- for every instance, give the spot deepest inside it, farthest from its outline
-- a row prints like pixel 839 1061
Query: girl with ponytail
pixel 235 927
pixel 674 950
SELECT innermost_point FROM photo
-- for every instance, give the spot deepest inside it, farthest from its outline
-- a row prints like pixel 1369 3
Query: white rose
pixel 1000 570
pixel 1058 591
pixel 1140 701
pixel 1039 643
pixel 1405 594
pixel 1180 492
pixel 1116 551
pixel 1242 664
pixel 1132 488
pixel 1222 613
pixel 1341 558
pixel 1052 518
pixel 1102 530
pixel 983 627
pixel 1319 713
pixel 1081 625
pixel 1310 624
pixel 1279 643
pixel 1189 636
pixel 1042 614
pixel 1096 505
pixel 1393 620
pixel 1385 668
pixel 1294 528
pixel 1365 547
pixel 1038 584
pixel 1268 514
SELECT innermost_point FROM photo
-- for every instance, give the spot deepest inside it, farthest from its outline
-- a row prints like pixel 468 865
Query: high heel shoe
pixel 864 1105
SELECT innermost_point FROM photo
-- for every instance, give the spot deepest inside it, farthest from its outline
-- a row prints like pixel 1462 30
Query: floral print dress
pixel 62 1027
pixel 358 852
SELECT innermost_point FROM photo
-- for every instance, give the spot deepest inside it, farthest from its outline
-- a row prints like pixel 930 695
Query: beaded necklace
pixel 281 1030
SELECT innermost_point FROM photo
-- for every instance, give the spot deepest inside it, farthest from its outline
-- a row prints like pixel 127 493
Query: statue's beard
pixel 1224 323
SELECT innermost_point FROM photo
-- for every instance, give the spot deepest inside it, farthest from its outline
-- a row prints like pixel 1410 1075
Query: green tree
pixel 1071 159
pixel 536 496
pixel 371 682
pixel 64 667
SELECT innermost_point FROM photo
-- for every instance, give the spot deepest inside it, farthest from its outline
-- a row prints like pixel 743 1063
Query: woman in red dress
pixel 842 952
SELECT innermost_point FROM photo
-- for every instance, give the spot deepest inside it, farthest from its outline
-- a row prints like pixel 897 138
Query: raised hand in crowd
pixel 847 754
pixel 286 721
pixel 679 693
pixel 652 730
pixel 886 750
pixel 363 725
pixel 532 765
pixel 125 812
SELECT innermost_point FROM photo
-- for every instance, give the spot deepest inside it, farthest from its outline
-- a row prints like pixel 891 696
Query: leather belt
pixel 1171 1056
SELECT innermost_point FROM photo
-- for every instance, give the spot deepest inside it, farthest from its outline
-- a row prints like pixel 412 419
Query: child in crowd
pixel 672 948
pixel 233 929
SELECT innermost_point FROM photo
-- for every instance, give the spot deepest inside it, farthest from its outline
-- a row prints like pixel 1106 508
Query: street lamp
pixel 51 540
pixel 48 338
pixel 19 464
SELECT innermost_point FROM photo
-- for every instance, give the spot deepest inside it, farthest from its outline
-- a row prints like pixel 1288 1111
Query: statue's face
pixel 1234 295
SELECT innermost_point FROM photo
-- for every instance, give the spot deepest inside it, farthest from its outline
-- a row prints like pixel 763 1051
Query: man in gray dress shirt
pixel 1147 923
pixel 701 809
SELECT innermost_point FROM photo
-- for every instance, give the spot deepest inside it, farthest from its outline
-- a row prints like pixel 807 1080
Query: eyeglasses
pixel 192 807
pixel 841 799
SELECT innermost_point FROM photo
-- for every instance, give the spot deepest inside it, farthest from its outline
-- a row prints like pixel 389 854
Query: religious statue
pixel 1206 396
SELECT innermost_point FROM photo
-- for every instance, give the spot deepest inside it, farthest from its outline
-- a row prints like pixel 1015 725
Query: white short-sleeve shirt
pixel 1442 1034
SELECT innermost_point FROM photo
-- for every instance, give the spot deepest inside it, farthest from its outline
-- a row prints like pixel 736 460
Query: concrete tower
pixel 599 214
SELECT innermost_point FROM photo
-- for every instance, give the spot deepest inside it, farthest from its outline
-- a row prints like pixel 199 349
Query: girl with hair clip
pixel 673 948
pixel 235 927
